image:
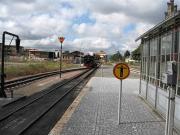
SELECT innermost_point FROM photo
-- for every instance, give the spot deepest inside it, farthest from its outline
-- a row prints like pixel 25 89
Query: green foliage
pixel 29 68
pixel 127 54
pixel 116 57
pixel 136 54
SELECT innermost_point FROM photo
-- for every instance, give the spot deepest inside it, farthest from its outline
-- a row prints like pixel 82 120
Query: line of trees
pixel 135 55
pixel 119 57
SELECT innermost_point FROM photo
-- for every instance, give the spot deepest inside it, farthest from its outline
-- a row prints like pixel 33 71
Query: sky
pixel 87 25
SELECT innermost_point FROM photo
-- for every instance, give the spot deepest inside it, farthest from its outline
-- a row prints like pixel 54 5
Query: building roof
pixel 172 20
pixel 101 53
pixel 77 53
pixel 164 25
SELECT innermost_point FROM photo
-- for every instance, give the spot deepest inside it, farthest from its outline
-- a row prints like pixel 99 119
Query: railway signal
pixel 121 71
pixel 61 40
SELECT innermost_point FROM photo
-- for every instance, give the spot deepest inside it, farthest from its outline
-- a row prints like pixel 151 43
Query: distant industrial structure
pixel 160 66
pixel 39 55
pixel 35 54
pixel 11 50
pixel 67 57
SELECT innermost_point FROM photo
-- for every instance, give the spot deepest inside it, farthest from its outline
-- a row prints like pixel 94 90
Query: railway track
pixel 24 80
pixel 19 118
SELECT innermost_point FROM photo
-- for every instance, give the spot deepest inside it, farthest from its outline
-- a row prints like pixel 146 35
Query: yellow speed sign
pixel 121 71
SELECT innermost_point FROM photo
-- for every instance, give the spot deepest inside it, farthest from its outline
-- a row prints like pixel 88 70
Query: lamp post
pixel 61 40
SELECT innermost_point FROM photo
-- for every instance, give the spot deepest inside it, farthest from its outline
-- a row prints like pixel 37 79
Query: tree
pixel 127 54
pixel 136 54
pixel 116 57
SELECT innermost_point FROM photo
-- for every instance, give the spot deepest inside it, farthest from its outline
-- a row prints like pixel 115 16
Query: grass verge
pixel 30 68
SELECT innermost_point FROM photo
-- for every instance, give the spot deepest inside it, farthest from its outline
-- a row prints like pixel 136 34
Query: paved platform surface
pixel 97 111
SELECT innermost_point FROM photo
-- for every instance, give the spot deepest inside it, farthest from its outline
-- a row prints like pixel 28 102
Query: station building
pixel 160 45
pixel 101 54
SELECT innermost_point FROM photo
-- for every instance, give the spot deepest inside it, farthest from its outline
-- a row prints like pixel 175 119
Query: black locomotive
pixel 91 61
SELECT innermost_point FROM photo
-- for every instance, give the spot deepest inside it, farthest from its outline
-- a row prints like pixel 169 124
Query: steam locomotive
pixel 91 61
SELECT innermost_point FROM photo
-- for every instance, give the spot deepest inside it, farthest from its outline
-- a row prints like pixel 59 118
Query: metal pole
pixel 2 92
pixel 141 46
pixel 171 112
pixel 167 114
pixel 102 70
pixel 80 58
pixel 119 103
pixel 61 61
pixel 80 55
pixel 148 69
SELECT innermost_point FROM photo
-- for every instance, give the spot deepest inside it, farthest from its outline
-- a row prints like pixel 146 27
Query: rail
pixel 34 109
pixel 27 79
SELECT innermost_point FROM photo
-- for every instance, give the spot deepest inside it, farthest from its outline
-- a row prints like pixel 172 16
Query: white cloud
pixel 3 11
pixel 96 43
pixel 40 22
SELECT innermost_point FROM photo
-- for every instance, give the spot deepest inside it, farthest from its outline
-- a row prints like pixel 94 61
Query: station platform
pixel 95 111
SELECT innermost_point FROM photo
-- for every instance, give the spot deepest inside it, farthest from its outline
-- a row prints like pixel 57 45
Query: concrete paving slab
pixel 97 112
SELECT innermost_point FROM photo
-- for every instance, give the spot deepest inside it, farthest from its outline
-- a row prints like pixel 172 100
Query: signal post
pixel 61 40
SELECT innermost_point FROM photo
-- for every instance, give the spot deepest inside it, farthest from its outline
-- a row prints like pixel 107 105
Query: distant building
pixel 102 55
pixel 10 50
pixel 10 53
pixel 77 57
pixel 35 54
pixel 129 60
pixel 67 57
pixel 70 57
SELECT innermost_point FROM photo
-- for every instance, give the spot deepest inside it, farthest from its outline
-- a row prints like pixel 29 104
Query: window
pixel 145 56
pixel 165 55
pixel 152 60
pixel 178 63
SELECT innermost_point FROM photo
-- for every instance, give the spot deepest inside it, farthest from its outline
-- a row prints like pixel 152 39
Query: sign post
pixel 101 66
pixel 121 71
pixel 61 40
pixel 119 103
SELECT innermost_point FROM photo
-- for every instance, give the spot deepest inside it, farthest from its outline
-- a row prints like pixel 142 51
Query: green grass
pixel 29 68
